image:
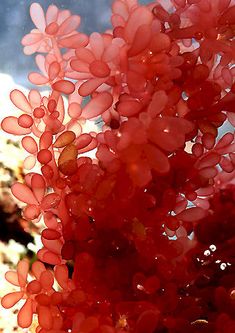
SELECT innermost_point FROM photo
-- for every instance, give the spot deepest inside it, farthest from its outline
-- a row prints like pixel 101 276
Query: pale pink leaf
pixel 53 245
pixel 29 162
pixel 48 257
pixel 34 98
pixel 37 269
pixel 20 101
pixel 22 271
pixel 47 280
pixel 12 277
pixel 45 140
pixel 29 144
pixel 51 14
pixel 75 41
pixel 11 299
pixel 83 140
pixel 97 105
pixel 61 275
pixel 64 86
pixel 25 314
pixel 157 159
pixel 23 193
pixel 37 78
pixel 97 45
pixel 31 38
pixel 44 317
pixel 38 17
pixel 88 87
pixel 10 125
pixel 192 214
pixel 53 70
pixel 38 185
pixel 140 16
pixel 69 25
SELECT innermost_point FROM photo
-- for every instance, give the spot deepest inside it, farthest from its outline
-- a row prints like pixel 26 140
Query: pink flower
pixel 98 64
pixel 56 27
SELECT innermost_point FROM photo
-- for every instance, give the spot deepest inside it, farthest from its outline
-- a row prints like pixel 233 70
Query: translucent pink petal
pixel 169 132
pixel 22 271
pixel 20 101
pixel 225 140
pixel 231 118
pixel 41 63
pixel 63 15
pixel 92 145
pixel 111 53
pixel 31 212
pixel 74 110
pixel 51 200
pixel 211 159
pixel 37 269
pixel 44 317
pixel 49 257
pixel 29 144
pixel 29 162
pixel 208 172
pixel 11 299
pixel 97 45
pixel 37 16
pixel 88 87
pixel 121 8
pixel 117 21
pixel 64 139
pixel 206 191
pixel 45 140
pixel 37 78
pixel 157 159
pixel 75 41
pixel 10 125
pixel 31 38
pixel 129 108
pixel 50 220
pixel 99 69
pixel 140 16
pixel 75 127
pixel 141 40
pixel 34 98
pixel 227 76
pixel 136 82
pixel 53 245
pixel 83 140
pixel 192 214
pixel 61 275
pixel 54 70
pixel 80 66
pixel 64 86
pixel 97 105
pixel 51 14
pixel 50 234
pixel 25 314
pixel 85 55
pixel 47 280
pixel 38 185
pixel 23 193
pixel 158 103
pixel 69 25
pixel 226 164
pixel 12 277
pixel 25 121
pixel 31 49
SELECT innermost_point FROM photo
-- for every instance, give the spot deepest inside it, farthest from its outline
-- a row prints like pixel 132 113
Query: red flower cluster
pixel 141 236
